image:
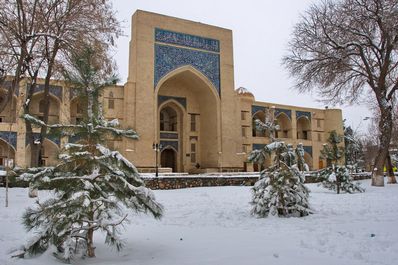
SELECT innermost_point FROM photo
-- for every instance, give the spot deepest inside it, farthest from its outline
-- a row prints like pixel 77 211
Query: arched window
pixel 303 128
pixel 260 115
pixel 111 101
pixel 168 119
pixel 42 106
pixel 285 126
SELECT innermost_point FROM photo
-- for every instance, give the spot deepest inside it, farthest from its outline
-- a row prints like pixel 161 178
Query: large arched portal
pixel 188 110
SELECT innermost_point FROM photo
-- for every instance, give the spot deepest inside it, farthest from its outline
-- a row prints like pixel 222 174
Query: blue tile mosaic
pixel 288 112
pixel 164 135
pixel 181 100
pixel 256 108
pixel 169 58
pixel 8 84
pixel 308 149
pixel 55 90
pixel 258 146
pixel 300 114
pixel 166 144
pixel 51 138
pixel 9 137
pixel 187 40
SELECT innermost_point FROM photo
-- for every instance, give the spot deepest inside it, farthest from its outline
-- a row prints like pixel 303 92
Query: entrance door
pixel 168 159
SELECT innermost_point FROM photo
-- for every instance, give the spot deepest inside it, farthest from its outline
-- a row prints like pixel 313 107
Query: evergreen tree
pixel 93 188
pixel 280 189
pixel 336 176
pixel 353 149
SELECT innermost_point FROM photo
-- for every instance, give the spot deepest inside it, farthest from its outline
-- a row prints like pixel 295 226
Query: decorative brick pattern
pixel 9 137
pixel 169 58
pixel 187 40
pixel 181 100
pixel 300 114
pixel 288 112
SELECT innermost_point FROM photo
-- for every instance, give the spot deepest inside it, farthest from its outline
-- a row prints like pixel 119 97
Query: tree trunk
pixel 385 130
pixel 390 177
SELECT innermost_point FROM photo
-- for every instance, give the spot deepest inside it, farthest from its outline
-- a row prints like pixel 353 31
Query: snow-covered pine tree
pixel 336 176
pixel 353 151
pixel 92 187
pixel 280 189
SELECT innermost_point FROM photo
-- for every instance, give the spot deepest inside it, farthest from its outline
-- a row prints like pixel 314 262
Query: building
pixel 179 94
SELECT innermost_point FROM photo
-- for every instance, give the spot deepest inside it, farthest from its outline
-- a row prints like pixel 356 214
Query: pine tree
pixel 280 189
pixel 92 187
pixel 337 177
pixel 353 149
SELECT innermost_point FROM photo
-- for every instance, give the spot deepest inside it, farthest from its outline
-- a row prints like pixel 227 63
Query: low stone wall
pixel 167 183
pixel 181 182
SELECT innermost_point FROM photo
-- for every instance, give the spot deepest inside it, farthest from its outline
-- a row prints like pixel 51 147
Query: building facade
pixel 180 95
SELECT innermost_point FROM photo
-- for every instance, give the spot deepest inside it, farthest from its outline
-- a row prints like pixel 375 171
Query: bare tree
pixel 40 34
pixel 345 49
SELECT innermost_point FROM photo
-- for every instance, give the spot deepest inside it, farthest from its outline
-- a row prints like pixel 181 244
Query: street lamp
pixel 156 147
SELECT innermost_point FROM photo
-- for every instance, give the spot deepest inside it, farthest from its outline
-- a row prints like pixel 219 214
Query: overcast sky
pixel 261 31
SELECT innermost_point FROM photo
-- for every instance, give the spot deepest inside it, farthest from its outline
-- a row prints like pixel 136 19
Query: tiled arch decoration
pixel 174 50
pixel 10 138
pixel 51 138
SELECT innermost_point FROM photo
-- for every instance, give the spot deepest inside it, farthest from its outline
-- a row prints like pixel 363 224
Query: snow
pixel 213 226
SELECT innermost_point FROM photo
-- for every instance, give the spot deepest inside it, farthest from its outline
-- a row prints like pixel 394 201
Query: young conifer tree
pixel 92 187
pixel 280 190
pixel 337 176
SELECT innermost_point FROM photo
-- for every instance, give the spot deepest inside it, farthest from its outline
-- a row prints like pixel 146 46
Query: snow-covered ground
pixel 213 226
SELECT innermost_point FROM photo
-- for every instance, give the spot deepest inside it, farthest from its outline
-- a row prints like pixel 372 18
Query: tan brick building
pixel 180 94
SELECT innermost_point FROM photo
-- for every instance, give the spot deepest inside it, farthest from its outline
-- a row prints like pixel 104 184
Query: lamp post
pixel 157 147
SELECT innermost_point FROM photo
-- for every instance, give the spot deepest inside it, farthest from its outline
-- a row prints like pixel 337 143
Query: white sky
pixel 261 31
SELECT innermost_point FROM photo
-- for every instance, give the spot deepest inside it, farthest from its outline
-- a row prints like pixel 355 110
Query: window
pixel 193 123
pixel 243 115
pixel 318 123
pixel 243 131
pixel 319 137
pixel 42 106
pixel 111 101
pixel 193 152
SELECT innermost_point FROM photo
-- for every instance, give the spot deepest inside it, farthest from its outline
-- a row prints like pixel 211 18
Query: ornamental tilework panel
pixel 288 112
pixel 55 90
pixel 53 139
pixel 258 146
pixel 256 108
pixel 164 135
pixel 187 40
pixel 308 149
pixel 168 58
pixel 181 100
pixel 165 144
pixel 300 114
pixel 10 138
